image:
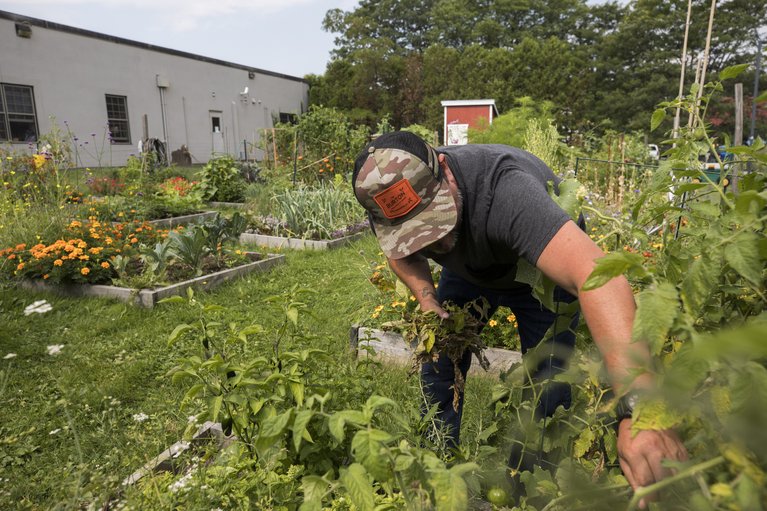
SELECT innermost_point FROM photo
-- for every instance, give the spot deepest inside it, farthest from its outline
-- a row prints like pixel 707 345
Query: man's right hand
pixel 430 303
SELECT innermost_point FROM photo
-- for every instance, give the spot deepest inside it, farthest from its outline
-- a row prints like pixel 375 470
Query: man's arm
pixel 568 260
pixel 414 272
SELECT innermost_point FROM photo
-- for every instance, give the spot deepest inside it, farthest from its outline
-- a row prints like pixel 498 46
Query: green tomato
pixel 497 496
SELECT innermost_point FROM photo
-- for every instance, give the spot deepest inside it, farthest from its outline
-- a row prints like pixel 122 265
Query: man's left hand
pixel 641 456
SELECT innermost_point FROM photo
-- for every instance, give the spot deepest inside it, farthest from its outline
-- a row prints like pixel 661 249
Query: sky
pixel 284 36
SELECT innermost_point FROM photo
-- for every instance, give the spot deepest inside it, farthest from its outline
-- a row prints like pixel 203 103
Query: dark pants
pixel 533 319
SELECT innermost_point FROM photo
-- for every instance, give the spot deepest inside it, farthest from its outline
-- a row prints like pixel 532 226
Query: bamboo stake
pixel 704 67
pixel 675 133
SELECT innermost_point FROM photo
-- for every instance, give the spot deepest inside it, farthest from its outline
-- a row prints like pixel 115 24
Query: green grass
pixel 67 432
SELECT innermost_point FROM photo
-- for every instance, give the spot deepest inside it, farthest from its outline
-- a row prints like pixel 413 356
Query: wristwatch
pixel 626 404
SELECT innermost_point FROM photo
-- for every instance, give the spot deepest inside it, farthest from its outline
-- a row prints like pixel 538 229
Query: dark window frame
pixel 5 115
pixel 126 140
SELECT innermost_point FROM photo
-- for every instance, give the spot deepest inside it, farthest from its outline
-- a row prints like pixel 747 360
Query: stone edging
pixel 391 347
pixel 149 297
pixel 181 220
pixel 165 461
pixel 297 243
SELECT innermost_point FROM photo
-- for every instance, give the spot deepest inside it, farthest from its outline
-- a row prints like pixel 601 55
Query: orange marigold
pixel 134 240
pixel 20 266
pixel 45 276
pixel 58 262
pixel 21 246
pixel 105 265
pixel 12 256
pixel 85 271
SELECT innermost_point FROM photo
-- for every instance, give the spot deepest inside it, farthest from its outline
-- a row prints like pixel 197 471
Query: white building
pixel 93 84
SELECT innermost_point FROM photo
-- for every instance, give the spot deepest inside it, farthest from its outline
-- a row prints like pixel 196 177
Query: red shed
pixel 460 115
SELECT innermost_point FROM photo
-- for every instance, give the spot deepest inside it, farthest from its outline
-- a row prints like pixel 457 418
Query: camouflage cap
pixel 397 180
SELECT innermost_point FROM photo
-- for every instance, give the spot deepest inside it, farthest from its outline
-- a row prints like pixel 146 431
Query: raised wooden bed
pixel 150 297
pixel 391 347
pixel 297 243
pixel 167 460
pixel 217 204
pixel 182 220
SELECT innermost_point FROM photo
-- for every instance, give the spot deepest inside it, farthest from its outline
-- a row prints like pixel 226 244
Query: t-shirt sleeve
pixel 523 218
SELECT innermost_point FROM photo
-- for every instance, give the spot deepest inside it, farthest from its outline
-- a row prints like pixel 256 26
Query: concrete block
pixel 390 347
pixel 149 297
pixel 297 243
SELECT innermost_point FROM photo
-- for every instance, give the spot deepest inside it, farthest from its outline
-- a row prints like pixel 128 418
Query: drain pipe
pixel 162 84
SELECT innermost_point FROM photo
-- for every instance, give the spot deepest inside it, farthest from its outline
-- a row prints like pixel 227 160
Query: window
pixel 18 122
pixel 117 118
pixel 288 118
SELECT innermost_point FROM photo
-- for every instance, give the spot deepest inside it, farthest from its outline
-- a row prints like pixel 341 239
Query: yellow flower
pixel 105 265
pixel 84 257
pixel 39 160
pixel 74 224
pixel 58 262
pixel 379 308
pixel 492 323
pixel 398 304
pixel 85 271
pixel 511 318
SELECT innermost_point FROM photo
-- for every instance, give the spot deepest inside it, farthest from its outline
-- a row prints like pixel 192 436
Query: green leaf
pixel 654 414
pixel 356 482
pixel 613 265
pixel 583 443
pixel 761 97
pixel 292 314
pixel 275 426
pixel 732 71
pixel 743 256
pixel 338 421
pixel 658 116
pixel 172 299
pixel 297 390
pixel 450 490
pixel 176 333
pixel 366 448
pixel 428 343
pixel 656 310
pixel 698 283
pixel 299 427
pixel 215 407
pixel 314 488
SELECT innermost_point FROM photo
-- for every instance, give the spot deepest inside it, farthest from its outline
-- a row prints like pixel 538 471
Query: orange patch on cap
pixel 397 200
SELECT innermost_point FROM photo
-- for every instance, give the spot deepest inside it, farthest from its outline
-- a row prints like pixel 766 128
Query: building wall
pixel 72 72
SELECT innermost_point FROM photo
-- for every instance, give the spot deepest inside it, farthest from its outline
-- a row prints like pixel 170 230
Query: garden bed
pixel 149 297
pixel 167 461
pixel 297 243
pixel 182 220
pixel 219 204
pixel 391 347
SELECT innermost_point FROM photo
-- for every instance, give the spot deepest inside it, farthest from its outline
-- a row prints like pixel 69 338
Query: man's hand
pixel 429 302
pixel 641 456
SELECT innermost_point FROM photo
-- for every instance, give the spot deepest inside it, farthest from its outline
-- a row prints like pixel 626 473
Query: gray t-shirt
pixel 507 213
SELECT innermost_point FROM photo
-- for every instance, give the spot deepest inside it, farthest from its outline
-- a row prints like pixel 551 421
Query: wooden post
pixel 274 147
pixel 738 140
pixel 738 134
pixel 675 133
pixel 145 125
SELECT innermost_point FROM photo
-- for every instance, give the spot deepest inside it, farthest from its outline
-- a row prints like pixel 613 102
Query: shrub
pixel 222 180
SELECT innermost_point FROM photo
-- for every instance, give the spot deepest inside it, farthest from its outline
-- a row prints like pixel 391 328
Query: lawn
pixel 75 424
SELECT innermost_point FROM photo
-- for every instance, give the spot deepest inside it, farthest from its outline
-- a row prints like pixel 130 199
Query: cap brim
pixel 430 225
